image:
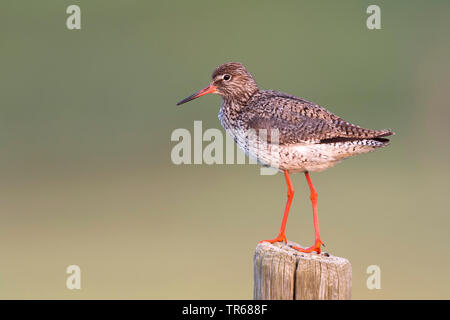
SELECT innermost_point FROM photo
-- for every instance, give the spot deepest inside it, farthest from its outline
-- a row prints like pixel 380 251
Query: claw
pixel 279 238
pixel 315 247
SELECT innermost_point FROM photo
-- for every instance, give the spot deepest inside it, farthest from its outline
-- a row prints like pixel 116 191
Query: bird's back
pixel 301 121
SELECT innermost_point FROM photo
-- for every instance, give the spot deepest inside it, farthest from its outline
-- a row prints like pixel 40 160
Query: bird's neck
pixel 238 100
pixel 233 104
pixel 231 108
pixel 229 113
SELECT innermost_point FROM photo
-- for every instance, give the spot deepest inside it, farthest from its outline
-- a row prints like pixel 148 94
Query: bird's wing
pixel 300 121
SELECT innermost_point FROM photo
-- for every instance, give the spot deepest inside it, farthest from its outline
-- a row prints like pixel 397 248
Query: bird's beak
pixel 209 89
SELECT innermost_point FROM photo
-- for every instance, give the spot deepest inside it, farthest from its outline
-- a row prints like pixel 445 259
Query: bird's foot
pixel 280 238
pixel 315 247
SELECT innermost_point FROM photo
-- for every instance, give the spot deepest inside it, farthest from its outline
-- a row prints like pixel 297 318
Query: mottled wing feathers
pixel 303 129
pixel 300 121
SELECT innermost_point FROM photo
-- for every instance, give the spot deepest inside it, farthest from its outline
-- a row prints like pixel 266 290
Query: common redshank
pixel 309 137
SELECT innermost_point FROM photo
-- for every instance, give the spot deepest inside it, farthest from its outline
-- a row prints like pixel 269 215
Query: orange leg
pixel 317 242
pixel 281 235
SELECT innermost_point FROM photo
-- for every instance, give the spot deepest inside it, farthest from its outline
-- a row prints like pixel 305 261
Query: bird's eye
pixel 226 77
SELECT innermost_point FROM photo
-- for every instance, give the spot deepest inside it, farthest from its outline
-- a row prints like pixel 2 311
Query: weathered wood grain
pixel 282 273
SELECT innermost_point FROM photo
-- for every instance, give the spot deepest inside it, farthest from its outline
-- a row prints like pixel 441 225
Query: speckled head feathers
pixel 234 82
pixel 232 68
pixel 230 80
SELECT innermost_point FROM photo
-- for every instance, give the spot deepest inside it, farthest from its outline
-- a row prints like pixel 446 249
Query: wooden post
pixel 282 273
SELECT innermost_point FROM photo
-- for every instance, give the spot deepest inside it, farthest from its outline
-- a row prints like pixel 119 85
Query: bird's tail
pixel 380 135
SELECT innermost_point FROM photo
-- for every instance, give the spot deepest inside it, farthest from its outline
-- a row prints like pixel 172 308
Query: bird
pixel 286 132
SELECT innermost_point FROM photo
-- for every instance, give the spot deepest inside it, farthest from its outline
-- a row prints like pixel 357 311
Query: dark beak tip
pixel 208 89
pixel 191 97
pixel 184 101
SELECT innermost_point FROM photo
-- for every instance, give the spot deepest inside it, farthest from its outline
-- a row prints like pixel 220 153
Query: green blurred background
pixel 85 124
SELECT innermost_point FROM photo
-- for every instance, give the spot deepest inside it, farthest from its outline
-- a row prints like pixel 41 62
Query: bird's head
pixel 230 80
